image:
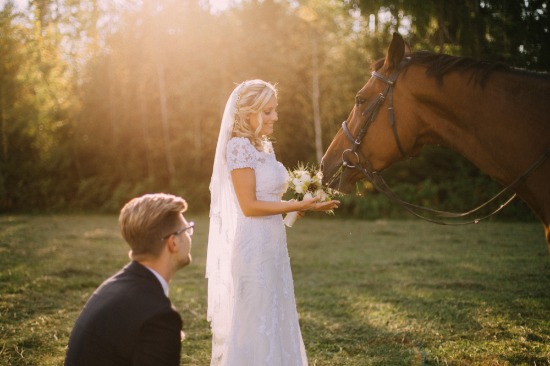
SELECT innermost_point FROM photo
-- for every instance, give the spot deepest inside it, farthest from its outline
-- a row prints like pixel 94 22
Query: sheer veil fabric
pixel 223 221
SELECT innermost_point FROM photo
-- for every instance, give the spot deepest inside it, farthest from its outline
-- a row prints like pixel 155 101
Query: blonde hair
pixel 253 97
pixel 145 220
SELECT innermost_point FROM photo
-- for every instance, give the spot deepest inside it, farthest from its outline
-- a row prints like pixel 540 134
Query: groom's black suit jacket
pixel 127 321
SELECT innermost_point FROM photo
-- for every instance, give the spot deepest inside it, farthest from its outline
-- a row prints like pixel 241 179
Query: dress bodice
pixel 271 175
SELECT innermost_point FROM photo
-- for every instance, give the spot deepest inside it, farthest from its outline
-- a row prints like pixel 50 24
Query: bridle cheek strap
pixel 370 115
pixel 390 83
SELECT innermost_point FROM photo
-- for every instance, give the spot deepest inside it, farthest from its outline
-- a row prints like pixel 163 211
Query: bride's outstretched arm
pixel 244 181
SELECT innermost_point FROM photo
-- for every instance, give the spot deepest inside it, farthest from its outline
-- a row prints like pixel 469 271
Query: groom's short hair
pixel 144 221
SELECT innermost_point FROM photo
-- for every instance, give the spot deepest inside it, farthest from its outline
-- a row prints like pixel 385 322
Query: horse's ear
pixel 396 51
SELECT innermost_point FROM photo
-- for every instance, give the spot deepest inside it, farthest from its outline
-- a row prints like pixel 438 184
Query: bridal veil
pixel 223 222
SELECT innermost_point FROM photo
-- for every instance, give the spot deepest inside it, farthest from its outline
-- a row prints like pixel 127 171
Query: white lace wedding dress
pixel 264 329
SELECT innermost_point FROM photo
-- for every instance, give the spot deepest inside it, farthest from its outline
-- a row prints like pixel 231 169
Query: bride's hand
pixel 313 204
pixel 300 214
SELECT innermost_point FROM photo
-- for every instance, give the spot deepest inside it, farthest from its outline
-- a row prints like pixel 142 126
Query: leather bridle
pixel 370 115
pixel 365 167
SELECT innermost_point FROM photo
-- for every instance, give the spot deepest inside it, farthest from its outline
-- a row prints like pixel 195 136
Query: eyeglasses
pixel 191 229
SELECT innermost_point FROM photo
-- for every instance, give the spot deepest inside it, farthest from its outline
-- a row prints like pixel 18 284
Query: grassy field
pixel 368 293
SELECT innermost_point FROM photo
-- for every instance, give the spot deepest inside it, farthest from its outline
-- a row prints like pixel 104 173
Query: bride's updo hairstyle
pixel 252 98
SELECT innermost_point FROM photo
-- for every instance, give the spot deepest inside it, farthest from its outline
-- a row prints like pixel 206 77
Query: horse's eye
pixel 359 100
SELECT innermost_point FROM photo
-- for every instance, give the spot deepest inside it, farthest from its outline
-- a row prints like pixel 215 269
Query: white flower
pixel 299 187
pixel 306 179
pixel 301 174
pixel 321 194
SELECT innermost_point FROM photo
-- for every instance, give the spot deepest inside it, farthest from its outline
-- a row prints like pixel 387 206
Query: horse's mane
pixel 437 65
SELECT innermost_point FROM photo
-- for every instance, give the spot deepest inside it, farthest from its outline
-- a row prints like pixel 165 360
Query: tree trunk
pixel 197 141
pixel 4 124
pixel 145 126
pixel 165 122
pixel 315 97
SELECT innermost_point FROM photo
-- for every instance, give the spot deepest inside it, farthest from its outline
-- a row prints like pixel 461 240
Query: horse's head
pixel 367 136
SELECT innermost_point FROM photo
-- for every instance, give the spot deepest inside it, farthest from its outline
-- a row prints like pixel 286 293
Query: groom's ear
pixel 172 245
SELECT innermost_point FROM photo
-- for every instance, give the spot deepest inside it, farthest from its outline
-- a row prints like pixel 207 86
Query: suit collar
pixel 143 271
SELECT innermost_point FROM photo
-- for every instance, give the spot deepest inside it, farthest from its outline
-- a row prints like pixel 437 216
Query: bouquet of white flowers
pixel 305 181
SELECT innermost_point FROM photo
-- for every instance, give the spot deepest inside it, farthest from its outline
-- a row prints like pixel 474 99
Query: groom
pixel 129 319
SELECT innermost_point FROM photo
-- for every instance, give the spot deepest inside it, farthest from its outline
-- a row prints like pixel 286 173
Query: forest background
pixel 101 101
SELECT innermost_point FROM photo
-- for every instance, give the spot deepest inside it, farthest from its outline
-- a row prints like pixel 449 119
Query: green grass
pixel 368 293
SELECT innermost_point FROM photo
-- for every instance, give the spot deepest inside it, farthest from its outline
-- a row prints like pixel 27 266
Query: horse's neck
pixel 489 126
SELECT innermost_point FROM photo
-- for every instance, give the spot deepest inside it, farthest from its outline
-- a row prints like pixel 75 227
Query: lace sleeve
pixel 241 154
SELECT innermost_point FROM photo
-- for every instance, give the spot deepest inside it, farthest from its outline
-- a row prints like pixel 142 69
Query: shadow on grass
pixel 423 294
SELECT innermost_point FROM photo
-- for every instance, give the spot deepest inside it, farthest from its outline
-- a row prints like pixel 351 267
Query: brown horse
pixel 495 116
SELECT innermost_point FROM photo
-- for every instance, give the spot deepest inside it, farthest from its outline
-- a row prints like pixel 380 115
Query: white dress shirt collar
pixel 161 279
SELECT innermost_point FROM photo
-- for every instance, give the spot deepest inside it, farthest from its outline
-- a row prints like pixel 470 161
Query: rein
pixel 380 184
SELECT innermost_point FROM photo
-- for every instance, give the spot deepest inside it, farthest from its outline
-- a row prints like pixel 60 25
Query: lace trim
pixel 241 154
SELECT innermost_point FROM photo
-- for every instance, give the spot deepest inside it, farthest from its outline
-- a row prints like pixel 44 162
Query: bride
pixel 251 305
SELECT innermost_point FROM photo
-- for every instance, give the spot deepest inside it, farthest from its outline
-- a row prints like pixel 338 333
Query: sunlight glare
pixel 19 4
pixel 217 6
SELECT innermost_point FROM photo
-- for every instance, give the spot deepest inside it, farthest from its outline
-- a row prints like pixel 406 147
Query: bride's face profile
pixel 269 117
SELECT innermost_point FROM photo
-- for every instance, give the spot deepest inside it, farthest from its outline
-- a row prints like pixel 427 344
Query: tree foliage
pixel 101 101
pixel 514 32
